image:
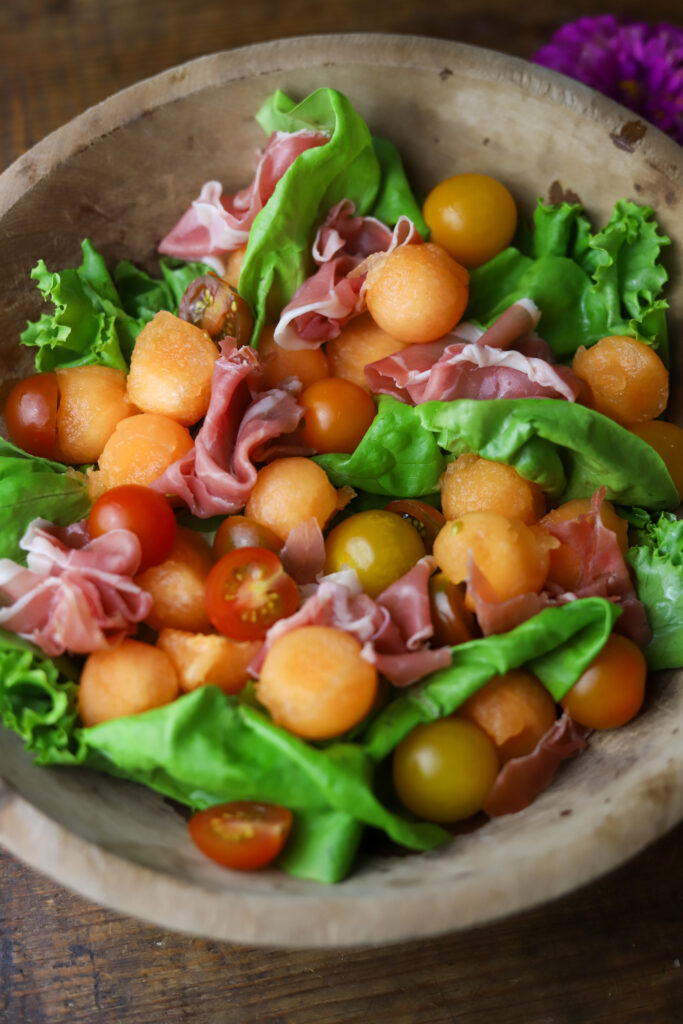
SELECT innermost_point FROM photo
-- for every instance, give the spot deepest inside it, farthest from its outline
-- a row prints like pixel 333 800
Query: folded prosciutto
pixel 217 474
pixel 335 292
pixel 215 224
pixel 76 594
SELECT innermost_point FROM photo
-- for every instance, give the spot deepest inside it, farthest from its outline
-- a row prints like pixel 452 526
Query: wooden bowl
pixel 120 174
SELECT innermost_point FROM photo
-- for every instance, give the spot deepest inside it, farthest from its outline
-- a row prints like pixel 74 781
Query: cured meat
pixel 216 224
pixel 217 474
pixel 76 594
pixel 335 292
pixel 521 780
pixel 303 554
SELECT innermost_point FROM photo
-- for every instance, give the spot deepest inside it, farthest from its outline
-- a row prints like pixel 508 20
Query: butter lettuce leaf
pixel 657 561
pixel 566 448
pixel 587 284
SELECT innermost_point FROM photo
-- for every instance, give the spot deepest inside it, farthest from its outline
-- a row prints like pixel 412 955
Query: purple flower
pixel 639 65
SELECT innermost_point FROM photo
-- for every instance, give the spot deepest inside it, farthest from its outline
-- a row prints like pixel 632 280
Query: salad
pixel 360 516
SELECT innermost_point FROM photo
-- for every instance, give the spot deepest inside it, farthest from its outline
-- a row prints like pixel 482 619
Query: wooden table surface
pixel 611 952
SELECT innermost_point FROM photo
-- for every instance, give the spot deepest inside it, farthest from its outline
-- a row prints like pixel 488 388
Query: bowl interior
pixel 120 175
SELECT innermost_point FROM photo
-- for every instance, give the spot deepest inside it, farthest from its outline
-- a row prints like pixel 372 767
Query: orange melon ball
pixel 626 379
pixel 138 452
pixel 417 293
pixel 667 440
pixel 515 710
pixel 290 491
pixel 233 266
pixel 512 556
pixel 361 342
pixel 92 400
pixel 308 364
pixel 315 682
pixel 474 484
pixel 125 680
pixel 203 659
pixel 171 369
pixel 177 585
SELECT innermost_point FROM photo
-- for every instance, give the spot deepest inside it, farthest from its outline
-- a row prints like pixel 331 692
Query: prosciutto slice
pixel 523 778
pixel 76 594
pixel 215 224
pixel 217 474
pixel 393 629
pixel 335 292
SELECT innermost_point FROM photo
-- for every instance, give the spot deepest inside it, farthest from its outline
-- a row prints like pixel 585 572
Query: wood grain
pixel 611 952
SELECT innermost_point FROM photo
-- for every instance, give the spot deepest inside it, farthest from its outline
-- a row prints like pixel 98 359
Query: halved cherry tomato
pixel 453 622
pixel 243 834
pixel 212 304
pixel 337 413
pixel 247 591
pixel 426 519
pixel 31 414
pixel 144 512
pixel 243 532
pixel 612 689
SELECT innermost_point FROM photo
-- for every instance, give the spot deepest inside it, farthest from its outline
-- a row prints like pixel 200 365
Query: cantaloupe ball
pixel 515 710
pixel 139 451
pixel 474 484
pixel 315 682
pixel 308 364
pixel 171 368
pixel 626 379
pixel 125 680
pixel 361 342
pixel 512 556
pixel 289 492
pixel 92 400
pixel 177 585
pixel 202 659
pixel 418 293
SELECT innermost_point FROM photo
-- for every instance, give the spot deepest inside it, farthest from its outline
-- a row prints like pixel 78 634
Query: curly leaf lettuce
pixel 587 285
pixel 657 561
pixel 567 449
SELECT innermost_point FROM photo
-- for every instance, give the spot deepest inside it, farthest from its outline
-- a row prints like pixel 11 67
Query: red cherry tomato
pixel 141 510
pixel 426 519
pixel 242 834
pixel 247 591
pixel 612 689
pixel 243 532
pixel 31 414
pixel 337 414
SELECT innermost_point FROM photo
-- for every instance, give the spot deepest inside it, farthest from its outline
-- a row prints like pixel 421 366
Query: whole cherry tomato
pixel 243 532
pixel 31 414
pixel 611 690
pixel 379 545
pixel 337 413
pixel 243 834
pixel 144 512
pixel 212 304
pixel 472 216
pixel 247 591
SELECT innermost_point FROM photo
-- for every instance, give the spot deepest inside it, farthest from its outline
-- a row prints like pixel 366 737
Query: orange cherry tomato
pixel 611 690
pixel 337 413
pixel 426 519
pixel 243 532
pixel 144 512
pixel 248 590
pixel 212 304
pixel 472 216
pixel 453 622
pixel 242 834
pixel 31 414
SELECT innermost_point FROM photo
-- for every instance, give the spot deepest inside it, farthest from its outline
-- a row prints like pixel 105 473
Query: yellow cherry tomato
pixel 472 216
pixel 381 546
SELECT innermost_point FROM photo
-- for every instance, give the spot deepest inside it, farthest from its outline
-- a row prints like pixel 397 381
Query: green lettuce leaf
pixel 397 455
pixel 351 165
pixel 566 448
pixel 657 561
pixel 30 488
pixel 556 645
pixel 143 296
pixel 587 285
